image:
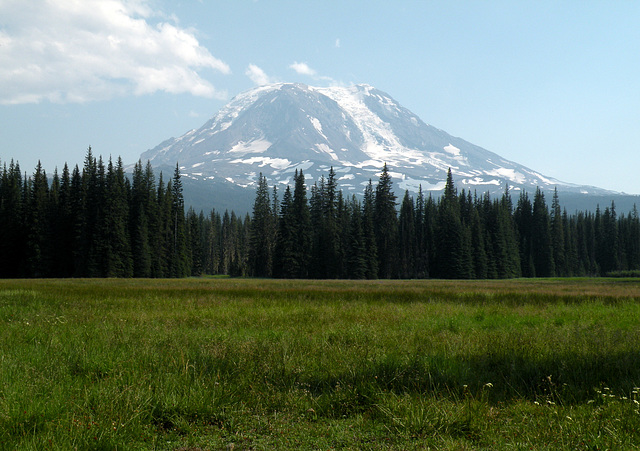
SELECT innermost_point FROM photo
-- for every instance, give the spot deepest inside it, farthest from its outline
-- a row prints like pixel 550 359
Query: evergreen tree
pixel 407 238
pixel 557 237
pixel 356 255
pixel 477 246
pixel 12 223
pixel 302 227
pixel 116 259
pixel 65 226
pixel 509 264
pixel 38 233
pixel 262 234
pixel 284 258
pixel 523 218
pixel 609 259
pixel 139 223
pixel 453 248
pixel 541 243
pixel 180 259
pixel 369 233
pixel 385 225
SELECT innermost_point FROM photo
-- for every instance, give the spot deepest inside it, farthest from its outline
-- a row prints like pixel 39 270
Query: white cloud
pixel 257 75
pixel 338 43
pixel 303 69
pixel 78 50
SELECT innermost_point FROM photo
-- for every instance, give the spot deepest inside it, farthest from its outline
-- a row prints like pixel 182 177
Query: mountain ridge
pixel 278 128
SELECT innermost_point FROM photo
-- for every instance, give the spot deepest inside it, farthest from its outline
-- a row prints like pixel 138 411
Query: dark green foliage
pixel 262 237
pixel 97 222
pixel 385 225
pixel 368 230
pixel 407 239
pixel 542 246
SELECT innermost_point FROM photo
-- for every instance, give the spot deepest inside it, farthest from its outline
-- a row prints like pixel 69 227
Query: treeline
pixel 460 235
pixel 97 222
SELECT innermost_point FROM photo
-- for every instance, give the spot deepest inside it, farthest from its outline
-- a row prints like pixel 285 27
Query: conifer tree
pixel 116 258
pixel 453 240
pixel 541 244
pixel 12 222
pixel 66 219
pixel 284 259
pixel 368 230
pixel 180 258
pixel 139 223
pixel 407 238
pixel 557 236
pixel 609 259
pixel 38 233
pixel 385 225
pixel 523 218
pixel 509 265
pixel 356 255
pixel 262 234
pixel 302 226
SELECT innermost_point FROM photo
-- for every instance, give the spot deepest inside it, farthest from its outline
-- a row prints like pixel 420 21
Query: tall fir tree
pixel 262 236
pixel 385 225
pixel 541 242
pixel 557 237
pixel 407 239
pixel 369 232
pixel 179 263
pixel 302 226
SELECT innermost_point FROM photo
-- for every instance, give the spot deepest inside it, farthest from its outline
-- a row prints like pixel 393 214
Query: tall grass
pixel 214 363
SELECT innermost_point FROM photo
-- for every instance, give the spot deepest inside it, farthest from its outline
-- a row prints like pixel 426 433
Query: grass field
pixel 267 364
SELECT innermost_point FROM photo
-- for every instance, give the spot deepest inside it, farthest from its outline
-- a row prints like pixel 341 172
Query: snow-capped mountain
pixel 276 129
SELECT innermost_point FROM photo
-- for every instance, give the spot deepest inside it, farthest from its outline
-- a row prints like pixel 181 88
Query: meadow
pixel 195 364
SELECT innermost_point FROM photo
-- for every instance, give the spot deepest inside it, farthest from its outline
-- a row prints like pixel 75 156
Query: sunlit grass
pixel 262 364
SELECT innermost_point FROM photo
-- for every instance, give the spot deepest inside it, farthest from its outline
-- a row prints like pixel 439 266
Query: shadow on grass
pixel 563 379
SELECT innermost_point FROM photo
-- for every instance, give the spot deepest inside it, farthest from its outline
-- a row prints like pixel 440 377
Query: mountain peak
pixel 278 128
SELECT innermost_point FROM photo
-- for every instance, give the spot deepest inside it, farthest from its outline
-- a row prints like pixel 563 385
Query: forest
pixel 100 222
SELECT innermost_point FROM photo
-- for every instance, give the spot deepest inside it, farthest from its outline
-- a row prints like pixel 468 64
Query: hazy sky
pixel 553 85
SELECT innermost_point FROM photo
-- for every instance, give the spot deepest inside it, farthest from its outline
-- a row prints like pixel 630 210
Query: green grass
pixel 267 364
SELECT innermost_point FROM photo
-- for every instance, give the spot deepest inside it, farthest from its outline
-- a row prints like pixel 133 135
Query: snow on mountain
pixel 276 129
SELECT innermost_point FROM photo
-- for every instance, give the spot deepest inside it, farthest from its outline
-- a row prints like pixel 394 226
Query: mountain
pixel 278 128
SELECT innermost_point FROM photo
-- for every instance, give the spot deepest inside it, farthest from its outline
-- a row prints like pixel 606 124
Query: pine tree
pixel 407 238
pixel 262 236
pixel 38 233
pixel 541 244
pixel 453 239
pixel 284 258
pixel 509 264
pixel 139 223
pixel 385 225
pixel 12 223
pixel 368 231
pixel 609 246
pixel 116 251
pixel 557 236
pixel 179 263
pixel 302 227
pixel 356 261
pixel 65 226
pixel 523 218
pixel 479 254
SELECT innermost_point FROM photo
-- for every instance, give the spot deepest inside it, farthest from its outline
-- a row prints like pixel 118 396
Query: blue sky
pixel 551 85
